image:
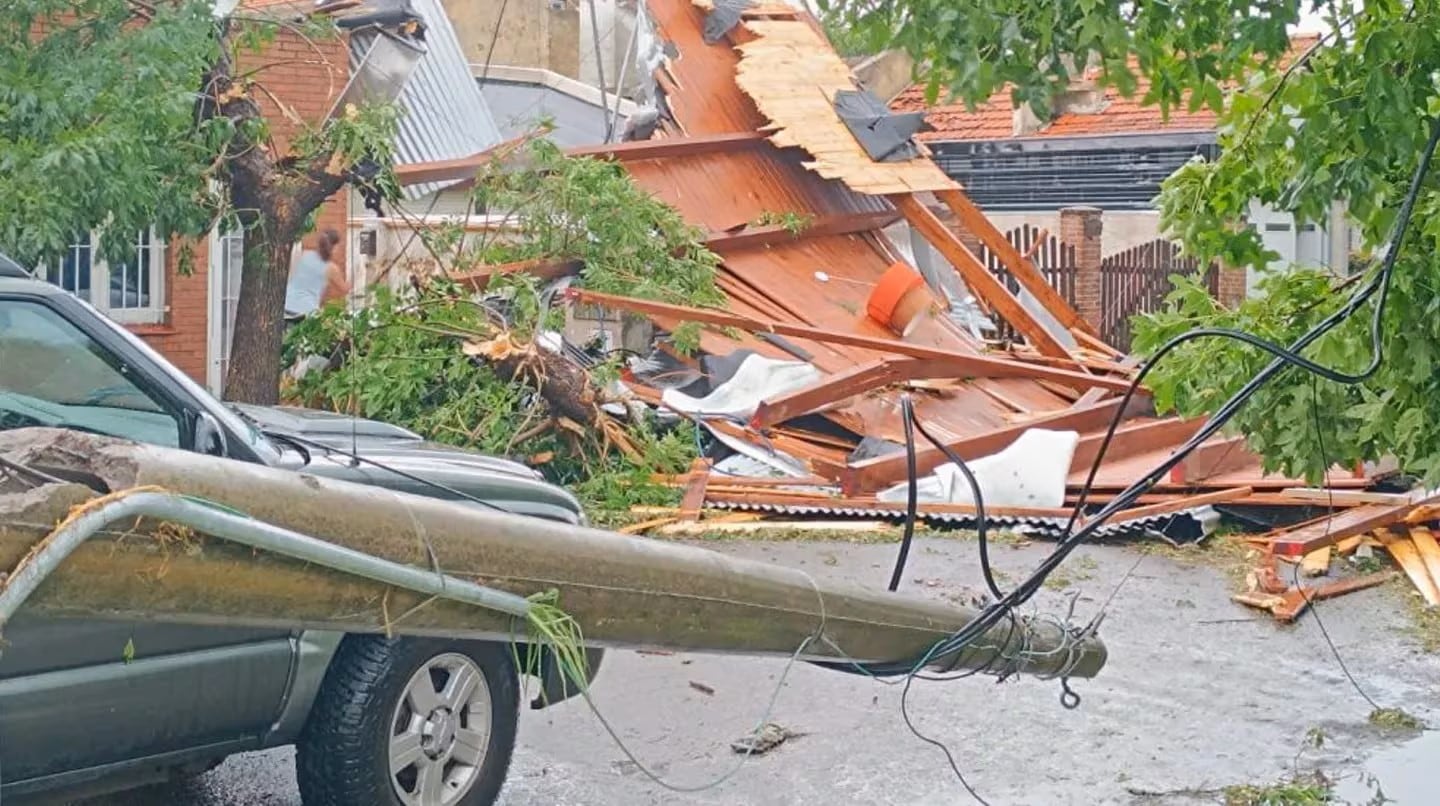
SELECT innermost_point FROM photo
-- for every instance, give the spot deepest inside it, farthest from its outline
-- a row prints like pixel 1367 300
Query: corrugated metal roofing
pixel 1186 525
pixel 445 114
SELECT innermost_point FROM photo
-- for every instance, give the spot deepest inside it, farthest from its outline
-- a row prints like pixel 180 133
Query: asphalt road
pixel 1199 694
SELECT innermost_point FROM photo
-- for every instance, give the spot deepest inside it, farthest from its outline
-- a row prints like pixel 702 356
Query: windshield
pixel 227 417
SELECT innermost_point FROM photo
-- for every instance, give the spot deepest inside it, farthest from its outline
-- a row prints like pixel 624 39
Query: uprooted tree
pixel 467 352
pixel 119 116
pixel 1343 118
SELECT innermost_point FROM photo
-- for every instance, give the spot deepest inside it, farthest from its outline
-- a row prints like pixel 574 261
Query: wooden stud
pixel 1316 563
pixel 1428 549
pixel 1020 267
pixel 1408 557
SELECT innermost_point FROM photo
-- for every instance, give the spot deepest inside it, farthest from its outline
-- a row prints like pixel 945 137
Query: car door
pixel 81 693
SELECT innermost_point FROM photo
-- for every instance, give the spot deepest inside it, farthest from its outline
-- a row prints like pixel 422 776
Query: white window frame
pixel 151 313
pixel 217 348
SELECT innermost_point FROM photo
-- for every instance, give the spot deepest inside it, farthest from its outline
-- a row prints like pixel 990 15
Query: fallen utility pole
pixel 623 591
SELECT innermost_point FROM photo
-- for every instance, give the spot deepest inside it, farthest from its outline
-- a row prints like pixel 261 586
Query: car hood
pixel 385 448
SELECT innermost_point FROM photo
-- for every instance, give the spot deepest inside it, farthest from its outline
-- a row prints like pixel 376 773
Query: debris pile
pixel 825 328
pixel 1398 524
pixel 801 373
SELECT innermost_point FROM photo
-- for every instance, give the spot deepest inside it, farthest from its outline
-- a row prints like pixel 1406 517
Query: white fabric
pixel 1031 472
pixel 756 379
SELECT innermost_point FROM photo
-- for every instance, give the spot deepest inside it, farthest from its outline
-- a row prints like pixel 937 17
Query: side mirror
pixel 209 436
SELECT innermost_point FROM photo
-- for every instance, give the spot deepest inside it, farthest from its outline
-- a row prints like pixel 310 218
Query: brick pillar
pixel 1230 286
pixel 1081 228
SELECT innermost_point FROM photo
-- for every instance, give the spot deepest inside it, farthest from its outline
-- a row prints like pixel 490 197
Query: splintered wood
pixel 1395 523
pixel 792 74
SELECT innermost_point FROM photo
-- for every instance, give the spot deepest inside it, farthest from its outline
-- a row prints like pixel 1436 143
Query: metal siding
pixel 445 116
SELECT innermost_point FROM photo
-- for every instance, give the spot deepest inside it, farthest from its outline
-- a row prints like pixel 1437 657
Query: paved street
pixel 1198 695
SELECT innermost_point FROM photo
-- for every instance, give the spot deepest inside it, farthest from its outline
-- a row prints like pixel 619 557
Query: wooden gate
pixel 1053 258
pixel 1136 281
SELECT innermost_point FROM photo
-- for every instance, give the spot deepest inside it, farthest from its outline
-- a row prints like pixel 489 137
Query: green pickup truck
pixel 89 706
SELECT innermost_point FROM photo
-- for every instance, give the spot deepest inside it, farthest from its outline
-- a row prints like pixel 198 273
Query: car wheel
pixel 410 721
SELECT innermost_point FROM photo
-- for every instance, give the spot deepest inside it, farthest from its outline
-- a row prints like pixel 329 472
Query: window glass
pixel 53 375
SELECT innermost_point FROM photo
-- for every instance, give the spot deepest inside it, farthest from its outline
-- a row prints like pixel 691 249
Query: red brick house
pixel 187 312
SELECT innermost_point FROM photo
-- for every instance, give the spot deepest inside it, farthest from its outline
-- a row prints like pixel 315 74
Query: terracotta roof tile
pixel 994 119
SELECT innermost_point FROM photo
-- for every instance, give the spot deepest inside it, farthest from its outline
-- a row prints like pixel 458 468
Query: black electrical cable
pixel 911 424
pixel 982 529
pixel 1285 357
pixel 912 497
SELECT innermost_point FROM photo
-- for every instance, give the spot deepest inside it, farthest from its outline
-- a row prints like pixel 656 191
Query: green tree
pixel 1345 119
pixel 117 115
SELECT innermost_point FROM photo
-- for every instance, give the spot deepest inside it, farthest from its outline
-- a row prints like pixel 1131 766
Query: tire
pixel 367 705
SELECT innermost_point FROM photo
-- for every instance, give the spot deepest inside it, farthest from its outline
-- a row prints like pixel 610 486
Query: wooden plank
pixel 842 386
pixel 752 237
pixel 1346 547
pixel 973 366
pixel 665 147
pixel 1408 557
pixel 977 278
pixel 1428 549
pixel 1295 601
pixel 1324 497
pixel 465 168
pixel 1181 504
pixel 1020 267
pixel 882 471
pixel 480 278
pixel 1316 563
pixel 1213 459
pixel 1331 530
pixel 694 499
pixel 1131 440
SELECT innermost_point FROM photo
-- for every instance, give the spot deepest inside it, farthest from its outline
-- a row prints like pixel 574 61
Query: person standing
pixel 315 279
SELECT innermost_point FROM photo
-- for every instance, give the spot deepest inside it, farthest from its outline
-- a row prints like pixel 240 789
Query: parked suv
pixel 90 705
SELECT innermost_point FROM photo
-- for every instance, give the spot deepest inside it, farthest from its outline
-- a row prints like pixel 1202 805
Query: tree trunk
pixel 254 373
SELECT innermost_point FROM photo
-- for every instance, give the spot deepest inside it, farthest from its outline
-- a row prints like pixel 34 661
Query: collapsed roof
pixel 749 135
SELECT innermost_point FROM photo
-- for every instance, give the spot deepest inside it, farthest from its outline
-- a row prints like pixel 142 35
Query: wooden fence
pixel 1054 258
pixel 1136 280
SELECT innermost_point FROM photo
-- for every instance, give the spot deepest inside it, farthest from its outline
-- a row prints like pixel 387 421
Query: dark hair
pixel 326 243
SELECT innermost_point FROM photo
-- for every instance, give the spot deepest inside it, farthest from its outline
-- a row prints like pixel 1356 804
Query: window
pixel 132 291
pixel 53 375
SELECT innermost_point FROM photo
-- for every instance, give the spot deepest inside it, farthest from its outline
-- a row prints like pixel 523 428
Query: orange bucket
pixel 898 299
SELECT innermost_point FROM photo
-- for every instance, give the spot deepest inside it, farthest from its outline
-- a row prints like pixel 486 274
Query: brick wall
pixel 305 76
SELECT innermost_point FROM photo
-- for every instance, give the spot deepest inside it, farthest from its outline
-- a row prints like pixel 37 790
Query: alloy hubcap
pixel 440 732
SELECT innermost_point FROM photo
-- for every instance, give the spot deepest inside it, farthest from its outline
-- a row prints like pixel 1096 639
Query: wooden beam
pixel 1212 459
pixel 1429 550
pixel 1407 556
pixel 661 148
pixel 969 366
pixel 1181 504
pixel 771 234
pixel 479 278
pixel 974 220
pixel 882 471
pixel 1132 440
pixel 977 278
pixel 1323 497
pixel 845 385
pixel 463 169
pixel 694 499
pixel 1331 530
pixel 1296 600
